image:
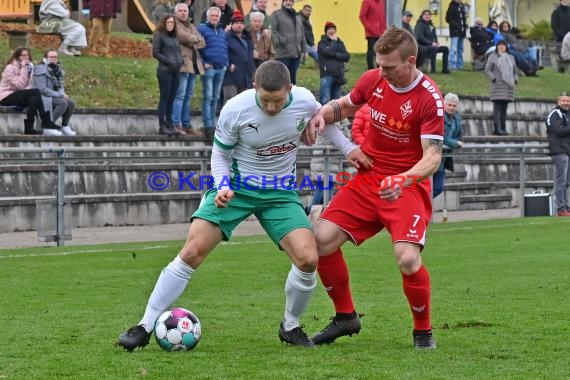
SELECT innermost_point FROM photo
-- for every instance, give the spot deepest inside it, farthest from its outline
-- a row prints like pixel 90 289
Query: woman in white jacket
pixel 54 18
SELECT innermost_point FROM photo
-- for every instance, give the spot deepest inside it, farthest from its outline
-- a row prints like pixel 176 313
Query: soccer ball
pixel 177 329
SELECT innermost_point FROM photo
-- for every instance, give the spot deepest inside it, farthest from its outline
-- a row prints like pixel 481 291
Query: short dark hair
pixel 272 75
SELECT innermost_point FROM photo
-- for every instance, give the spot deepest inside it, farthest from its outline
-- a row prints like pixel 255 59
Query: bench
pixel 17 10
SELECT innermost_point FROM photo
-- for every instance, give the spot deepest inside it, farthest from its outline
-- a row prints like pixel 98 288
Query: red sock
pixel 333 272
pixel 417 290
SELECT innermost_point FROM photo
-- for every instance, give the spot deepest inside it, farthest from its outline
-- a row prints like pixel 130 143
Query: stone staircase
pixel 113 189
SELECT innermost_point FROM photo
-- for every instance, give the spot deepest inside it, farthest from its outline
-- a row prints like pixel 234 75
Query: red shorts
pixel 361 213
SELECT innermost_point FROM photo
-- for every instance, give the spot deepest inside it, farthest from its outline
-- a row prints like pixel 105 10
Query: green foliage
pixel 538 31
pixel 499 297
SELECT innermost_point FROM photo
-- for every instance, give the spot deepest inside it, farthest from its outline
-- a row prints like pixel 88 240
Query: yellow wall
pixel 344 13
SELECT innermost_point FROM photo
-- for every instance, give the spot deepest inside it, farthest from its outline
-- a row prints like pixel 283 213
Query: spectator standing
pixel 190 41
pixel 259 6
pixel 54 18
pixel 215 58
pixel 361 125
pixel 451 140
pixel 262 45
pixel 161 8
pixel 456 18
pixel 288 36
pixel 332 57
pixel 49 79
pixel 501 70
pixel 558 131
pixel 101 14
pixel 239 76
pixel 373 18
pixel 166 50
pixel 16 91
pixel 422 50
pixel 426 36
pixel 225 15
pixel 560 20
pixel 305 14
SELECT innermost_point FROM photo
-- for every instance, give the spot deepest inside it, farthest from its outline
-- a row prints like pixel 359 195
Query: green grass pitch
pixel 500 298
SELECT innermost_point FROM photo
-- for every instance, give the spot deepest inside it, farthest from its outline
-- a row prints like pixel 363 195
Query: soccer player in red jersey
pixel 405 143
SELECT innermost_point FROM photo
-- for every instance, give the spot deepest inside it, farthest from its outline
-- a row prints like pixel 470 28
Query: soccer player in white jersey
pixel 253 164
pixel 405 142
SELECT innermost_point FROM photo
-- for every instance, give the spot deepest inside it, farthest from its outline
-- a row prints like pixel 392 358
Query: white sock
pixel 169 286
pixel 299 288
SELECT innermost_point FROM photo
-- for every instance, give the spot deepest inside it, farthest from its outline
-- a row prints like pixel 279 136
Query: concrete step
pixel 517 125
pixel 482 201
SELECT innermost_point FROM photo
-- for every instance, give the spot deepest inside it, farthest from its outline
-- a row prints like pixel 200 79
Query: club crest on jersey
pixel 406 109
pixel 301 124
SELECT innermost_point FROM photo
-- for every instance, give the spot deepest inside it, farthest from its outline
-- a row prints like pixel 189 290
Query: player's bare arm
pixel 432 153
pixel 391 187
pixel 333 111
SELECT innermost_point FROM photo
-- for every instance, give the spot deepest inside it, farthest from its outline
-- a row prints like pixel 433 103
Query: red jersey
pixel 400 118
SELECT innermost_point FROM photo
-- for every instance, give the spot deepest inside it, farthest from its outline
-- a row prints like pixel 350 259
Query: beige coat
pixel 190 41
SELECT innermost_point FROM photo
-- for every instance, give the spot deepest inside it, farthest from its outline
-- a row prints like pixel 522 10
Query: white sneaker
pixel 67 131
pixel 74 51
pixel 52 132
pixel 65 51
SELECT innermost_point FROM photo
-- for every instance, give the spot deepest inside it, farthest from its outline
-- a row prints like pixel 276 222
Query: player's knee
pixel 307 263
pixel 409 260
pixel 192 254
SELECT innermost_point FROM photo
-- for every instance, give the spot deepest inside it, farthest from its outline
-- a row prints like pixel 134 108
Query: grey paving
pixel 99 235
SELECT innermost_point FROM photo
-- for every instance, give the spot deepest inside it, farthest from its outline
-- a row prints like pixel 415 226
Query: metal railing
pixel 61 155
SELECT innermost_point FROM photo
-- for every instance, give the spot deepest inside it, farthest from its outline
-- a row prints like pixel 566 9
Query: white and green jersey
pixel 264 148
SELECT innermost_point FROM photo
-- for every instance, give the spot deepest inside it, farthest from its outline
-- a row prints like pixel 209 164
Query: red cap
pixel 328 25
pixel 237 16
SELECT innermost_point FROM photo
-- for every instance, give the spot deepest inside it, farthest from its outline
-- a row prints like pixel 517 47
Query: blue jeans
pixel 313 53
pixel 438 182
pixel 167 87
pixel 456 53
pixel 181 106
pixel 293 65
pixel 212 81
pixel 329 90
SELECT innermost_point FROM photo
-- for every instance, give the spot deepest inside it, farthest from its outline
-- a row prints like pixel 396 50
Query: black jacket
pixel 308 28
pixel 480 39
pixel 558 131
pixel 560 21
pixel 457 20
pixel 332 56
pixel 425 33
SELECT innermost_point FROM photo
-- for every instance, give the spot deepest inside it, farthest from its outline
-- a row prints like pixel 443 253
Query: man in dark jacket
pixel 426 36
pixel 332 56
pixel 288 37
pixel 456 17
pixel 239 76
pixel 422 50
pixel 101 13
pixel 558 131
pixel 560 20
pixel 305 14
pixel 227 12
